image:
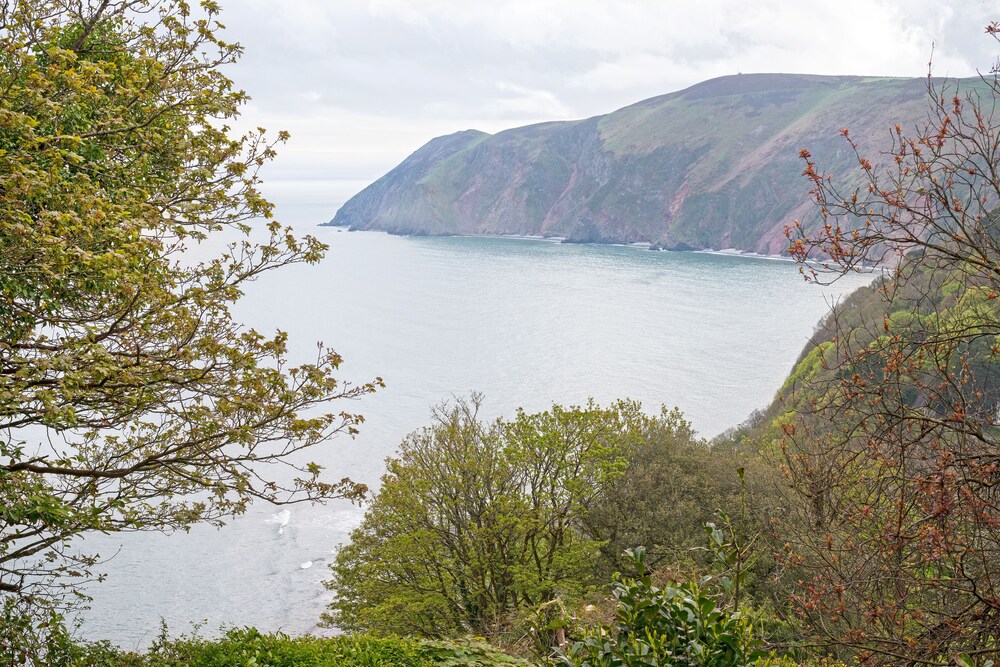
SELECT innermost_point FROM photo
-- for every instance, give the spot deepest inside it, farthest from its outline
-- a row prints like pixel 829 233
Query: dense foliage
pixel 129 397
pixel 477 522
pixel 674 484
pixel 246 647
pixel 673 625
pixel 506 529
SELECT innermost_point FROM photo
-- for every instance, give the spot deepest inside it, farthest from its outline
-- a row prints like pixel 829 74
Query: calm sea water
pixel 526 323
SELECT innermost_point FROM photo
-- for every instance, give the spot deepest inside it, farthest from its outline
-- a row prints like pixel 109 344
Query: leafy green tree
pixel 674 487
pixel 476 523
pixel 674 484
pixel 129 397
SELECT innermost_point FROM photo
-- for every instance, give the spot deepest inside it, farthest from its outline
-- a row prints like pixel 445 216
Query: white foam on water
pixel 281 518
pixel 306 565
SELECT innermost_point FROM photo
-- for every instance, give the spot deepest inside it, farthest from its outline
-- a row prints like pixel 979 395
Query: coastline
pixel 635 245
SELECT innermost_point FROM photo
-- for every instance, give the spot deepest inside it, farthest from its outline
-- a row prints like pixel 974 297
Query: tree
pixel 476 523
pixel 894 448
pixel 674 484
pixel 129 397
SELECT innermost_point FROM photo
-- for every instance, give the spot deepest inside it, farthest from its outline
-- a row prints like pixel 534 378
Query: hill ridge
pixel 712 166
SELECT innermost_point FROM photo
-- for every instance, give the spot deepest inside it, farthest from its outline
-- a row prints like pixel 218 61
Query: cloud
pixel 366 81
pixel 528 103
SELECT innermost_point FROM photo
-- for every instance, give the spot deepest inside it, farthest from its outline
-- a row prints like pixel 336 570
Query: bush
pixel 675 625
pixel 247 646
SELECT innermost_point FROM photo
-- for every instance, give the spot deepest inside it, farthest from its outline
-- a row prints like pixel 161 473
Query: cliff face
pixel 712 166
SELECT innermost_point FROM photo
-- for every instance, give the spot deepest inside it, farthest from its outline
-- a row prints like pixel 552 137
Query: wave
pixel 281 518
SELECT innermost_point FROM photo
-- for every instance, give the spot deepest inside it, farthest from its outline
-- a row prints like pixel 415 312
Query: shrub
pixel 246 647
pixel 676 625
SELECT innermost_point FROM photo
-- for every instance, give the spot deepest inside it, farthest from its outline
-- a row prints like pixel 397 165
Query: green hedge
pixel 247 647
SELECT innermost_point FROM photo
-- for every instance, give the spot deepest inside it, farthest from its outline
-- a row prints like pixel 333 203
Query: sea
pixel 525 322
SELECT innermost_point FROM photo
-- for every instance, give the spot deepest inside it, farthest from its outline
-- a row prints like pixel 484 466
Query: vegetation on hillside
pixel 890 431
pixel 476 523
pixel 509 529
pixel 247 647
pixel 677 624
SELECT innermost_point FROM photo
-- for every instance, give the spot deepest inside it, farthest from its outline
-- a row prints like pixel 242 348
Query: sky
pixel 361 84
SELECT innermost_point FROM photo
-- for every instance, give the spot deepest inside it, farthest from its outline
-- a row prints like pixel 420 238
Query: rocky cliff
pixel 713 166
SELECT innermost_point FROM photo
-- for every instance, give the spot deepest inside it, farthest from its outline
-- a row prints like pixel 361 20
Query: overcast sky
pixel 361 84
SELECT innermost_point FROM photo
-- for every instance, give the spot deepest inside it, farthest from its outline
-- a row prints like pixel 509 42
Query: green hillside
pixel 713 166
